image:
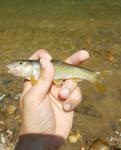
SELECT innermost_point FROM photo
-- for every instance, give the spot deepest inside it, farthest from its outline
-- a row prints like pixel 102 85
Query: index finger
pixel 37 55
pixel 41 54
pixel 78 57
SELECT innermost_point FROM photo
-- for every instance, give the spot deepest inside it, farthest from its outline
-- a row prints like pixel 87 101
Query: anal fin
pixel 76 79
pixel 58 83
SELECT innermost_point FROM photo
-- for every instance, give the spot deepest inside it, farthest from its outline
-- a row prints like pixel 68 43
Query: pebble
pixel 17 96
pixel 82 148
pixel 75 137
pixel 18 118
pixel 2 97
pixel 2 126
pixel 11 109
pixel 9 132
pixel 110 57
pixel 101 145
pixel 115 141
pixel 2 138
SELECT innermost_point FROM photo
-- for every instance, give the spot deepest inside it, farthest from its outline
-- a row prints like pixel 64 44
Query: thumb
pixel 41 88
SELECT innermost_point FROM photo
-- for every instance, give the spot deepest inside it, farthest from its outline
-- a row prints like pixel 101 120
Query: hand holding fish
pixel 42 105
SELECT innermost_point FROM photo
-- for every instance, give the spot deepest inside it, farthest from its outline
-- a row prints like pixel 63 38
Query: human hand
pixel 43 105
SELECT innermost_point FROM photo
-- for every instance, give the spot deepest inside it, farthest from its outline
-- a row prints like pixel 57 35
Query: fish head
pixel 21 68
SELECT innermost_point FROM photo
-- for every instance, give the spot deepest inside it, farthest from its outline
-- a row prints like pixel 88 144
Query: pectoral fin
pixel 99 82
pixel 33 80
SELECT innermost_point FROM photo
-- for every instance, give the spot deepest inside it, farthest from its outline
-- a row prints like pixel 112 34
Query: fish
pixel 32 70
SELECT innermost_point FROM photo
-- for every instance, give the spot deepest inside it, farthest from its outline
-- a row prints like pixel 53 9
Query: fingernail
pixel 48 57
pixel 84 54
pixel 67 106
pixel 43 63
pixel 65 93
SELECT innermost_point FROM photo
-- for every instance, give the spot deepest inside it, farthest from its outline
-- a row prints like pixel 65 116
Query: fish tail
pixel 99 82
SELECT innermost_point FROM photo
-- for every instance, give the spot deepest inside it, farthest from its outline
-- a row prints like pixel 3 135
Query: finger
pixel 67 88
pixel 78 57
pixel 26 87
pixel 41 54
pixel 37 55
pixel 41 88
pixel 55 91
pixel 73 100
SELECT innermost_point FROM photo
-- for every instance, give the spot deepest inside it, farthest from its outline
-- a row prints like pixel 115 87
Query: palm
pixel 63 120
pixel 49 114
pixel 56 118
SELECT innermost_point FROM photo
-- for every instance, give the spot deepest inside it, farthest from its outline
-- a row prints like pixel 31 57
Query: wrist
pixel 39 141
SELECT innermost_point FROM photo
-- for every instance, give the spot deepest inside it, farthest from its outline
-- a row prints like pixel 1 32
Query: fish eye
pixel 20 63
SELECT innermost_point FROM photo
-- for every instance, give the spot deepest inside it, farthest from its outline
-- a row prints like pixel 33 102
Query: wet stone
pixel 10 135
pixel 17 96
pixel 75 137
pixel 111 57
pixel 115 141
pixel 2 97
pixel 116 127
pixel 2 126
pixel 10 132
pixel 18 118
pixel 2 138
pixel 83 148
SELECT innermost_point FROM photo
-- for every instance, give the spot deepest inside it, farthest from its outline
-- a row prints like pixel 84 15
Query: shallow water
pixel 64 27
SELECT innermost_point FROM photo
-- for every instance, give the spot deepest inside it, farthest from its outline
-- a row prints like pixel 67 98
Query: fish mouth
pixel 14 71
pixel 11 69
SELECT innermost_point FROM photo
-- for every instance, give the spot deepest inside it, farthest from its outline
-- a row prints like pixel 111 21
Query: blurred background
pixel 64 27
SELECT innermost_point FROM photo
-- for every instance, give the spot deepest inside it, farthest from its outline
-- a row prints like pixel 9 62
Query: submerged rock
pixel 17 96
pixel 116 141
pixel 2 126
pixel 2 138
pixel 2 97
pixel 101 145
pixel 75 137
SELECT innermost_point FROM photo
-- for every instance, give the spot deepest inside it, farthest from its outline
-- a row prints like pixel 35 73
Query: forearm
pixel 39 142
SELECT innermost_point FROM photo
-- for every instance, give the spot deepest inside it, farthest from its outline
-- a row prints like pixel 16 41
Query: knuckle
pixel 71 84
pixel 41 51
pixel 77 99
pixel 77 96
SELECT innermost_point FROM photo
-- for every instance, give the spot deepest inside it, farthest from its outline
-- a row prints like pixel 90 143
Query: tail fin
pixel 99 82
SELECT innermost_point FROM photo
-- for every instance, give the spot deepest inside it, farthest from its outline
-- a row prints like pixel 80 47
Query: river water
pixel 62 28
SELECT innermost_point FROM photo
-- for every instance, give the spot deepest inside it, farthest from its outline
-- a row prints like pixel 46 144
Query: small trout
pixel 31 69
